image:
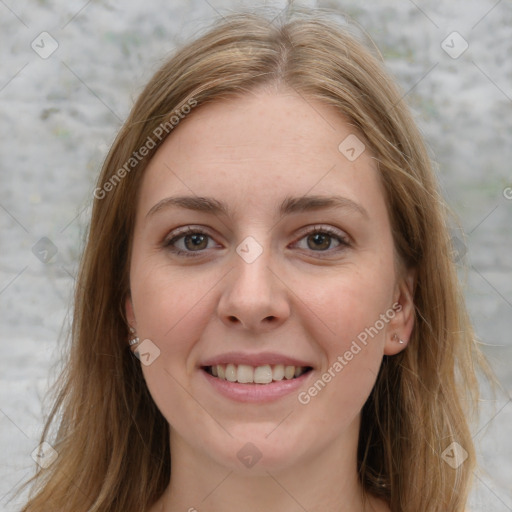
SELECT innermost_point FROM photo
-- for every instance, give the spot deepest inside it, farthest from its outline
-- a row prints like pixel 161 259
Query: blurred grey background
pixel 70 72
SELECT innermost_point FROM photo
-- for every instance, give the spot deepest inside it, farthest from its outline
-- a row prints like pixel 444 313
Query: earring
pixel 134 340
pixel 396 338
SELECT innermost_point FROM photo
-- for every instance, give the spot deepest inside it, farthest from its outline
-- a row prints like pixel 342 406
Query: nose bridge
pixel 253 296
pixel 252 277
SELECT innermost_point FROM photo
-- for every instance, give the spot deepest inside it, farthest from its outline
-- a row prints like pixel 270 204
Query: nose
pixel 255 297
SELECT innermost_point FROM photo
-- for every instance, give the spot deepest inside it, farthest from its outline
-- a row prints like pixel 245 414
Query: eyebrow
pixel 289 206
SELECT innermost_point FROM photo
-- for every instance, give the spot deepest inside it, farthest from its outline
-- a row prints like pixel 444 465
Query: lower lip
pixel 260 393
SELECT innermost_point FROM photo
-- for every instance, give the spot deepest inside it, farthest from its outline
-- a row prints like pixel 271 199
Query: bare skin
pixel 308 296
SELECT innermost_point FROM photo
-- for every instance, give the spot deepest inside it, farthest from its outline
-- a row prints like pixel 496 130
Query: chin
pixel 258 454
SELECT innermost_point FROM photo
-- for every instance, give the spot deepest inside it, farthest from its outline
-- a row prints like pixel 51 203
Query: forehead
pixel 252 151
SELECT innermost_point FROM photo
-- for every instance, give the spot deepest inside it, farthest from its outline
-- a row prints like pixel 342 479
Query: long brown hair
pixel 112 441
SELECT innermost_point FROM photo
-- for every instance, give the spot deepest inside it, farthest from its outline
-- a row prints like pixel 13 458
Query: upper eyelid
pixel 186 230
pixel 324 228
pixel 173 237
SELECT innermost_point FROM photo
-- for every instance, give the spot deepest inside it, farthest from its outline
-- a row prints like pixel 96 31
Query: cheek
pixel 350 300
pixel 342 386
pixel 171 308
pixel 162 298
pixel 347 318
pixel 172 311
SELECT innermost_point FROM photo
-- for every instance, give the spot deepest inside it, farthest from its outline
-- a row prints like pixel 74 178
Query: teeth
pixel 263 374
pixel 278 372
pixel 289 372
pixel 231 372
pixel 246 374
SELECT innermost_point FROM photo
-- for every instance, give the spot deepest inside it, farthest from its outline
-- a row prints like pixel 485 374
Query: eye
pixel 194 241
pixel 187 241
pixel 324 239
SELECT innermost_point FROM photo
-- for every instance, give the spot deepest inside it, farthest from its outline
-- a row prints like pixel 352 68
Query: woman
pixel 268 239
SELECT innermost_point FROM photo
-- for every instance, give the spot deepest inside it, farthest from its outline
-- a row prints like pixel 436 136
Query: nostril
pixel 235 320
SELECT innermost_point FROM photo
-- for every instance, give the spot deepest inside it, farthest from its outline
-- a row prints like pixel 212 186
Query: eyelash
pixel 168 242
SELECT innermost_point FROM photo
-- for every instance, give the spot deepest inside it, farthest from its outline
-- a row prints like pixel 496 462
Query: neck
pixel 324 482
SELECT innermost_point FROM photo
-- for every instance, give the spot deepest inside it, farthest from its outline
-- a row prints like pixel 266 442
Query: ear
pixel 130 315
pixel 401 325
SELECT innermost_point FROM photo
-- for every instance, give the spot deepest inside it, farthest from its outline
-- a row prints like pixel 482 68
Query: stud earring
pixel 135 339
pixel 396 338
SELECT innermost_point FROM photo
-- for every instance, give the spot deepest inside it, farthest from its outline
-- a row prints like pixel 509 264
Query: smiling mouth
pixel 246 374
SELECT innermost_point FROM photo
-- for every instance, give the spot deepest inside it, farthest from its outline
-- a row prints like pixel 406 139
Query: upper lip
pixel 259 359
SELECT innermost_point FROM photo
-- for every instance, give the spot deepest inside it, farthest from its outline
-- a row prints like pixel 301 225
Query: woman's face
pixel 288 261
